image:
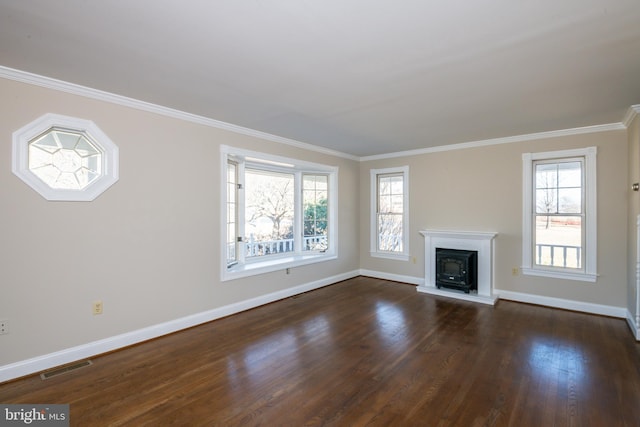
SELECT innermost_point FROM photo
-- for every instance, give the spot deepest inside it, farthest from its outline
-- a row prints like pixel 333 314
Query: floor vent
pixel 64 369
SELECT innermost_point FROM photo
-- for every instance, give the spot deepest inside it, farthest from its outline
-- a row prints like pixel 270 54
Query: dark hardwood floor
pixel 363 352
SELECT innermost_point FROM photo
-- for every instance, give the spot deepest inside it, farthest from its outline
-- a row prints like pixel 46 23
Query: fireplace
pixel 482 243
pixel 457 269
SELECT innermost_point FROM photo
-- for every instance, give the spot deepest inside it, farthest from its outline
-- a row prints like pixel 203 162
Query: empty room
pixel 342 213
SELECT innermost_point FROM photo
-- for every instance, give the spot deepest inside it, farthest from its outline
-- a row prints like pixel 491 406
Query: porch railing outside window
pixel 558 255
pixel 258 248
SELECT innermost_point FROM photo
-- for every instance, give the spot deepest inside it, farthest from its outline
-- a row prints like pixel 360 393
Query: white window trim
pixel 20 157
pixel 246 268
pixel 373 232
pixel 589 274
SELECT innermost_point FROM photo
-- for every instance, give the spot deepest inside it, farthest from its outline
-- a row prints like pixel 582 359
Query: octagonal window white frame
pixel 34 130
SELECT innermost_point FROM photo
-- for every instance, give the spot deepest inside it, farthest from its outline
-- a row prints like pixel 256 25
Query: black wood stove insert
pixel 457 269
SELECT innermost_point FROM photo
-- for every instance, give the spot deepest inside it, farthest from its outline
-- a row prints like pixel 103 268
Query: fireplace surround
pixel 480 242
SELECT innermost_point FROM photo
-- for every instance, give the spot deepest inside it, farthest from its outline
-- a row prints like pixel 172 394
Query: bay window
pixel 280 212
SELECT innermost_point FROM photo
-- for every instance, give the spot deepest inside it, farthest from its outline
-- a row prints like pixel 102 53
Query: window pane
pixel 390 232
pixel 558 241
pixel 315 207
pixel 390 193
pixel 231 172
pixel 384 204
pixel 309 182
pixel 231 192
pixel 396 185
pixel 268 212
pixel 389 215
pixel 232 229
pixel 231 216
pixel 315 182
pixel 65 160
pixel 570 174
pixel 231 244
pixel 559 187
pixel 68 140
pixel 396 204
pixel 322 184
pixel 546 175
pixel 570 200
pixel 546 201
pixel 384 186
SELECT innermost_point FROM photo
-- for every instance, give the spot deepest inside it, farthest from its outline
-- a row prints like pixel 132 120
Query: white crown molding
pixel 497 141
pixel 72 88
pixel 632 112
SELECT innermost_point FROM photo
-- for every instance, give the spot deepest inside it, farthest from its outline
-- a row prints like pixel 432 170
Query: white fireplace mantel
pixel 482 242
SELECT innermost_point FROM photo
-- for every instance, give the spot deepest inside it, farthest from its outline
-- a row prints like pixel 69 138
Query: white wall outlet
pixel 4 326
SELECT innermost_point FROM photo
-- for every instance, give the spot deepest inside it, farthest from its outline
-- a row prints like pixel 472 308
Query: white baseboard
pixel 635 328
pixel 586 307
pixel 47 361
pixel 394 277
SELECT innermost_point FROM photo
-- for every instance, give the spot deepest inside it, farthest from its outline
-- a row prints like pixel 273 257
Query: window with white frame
pixel 279 212
pixel 65 158
pixel 559 214
pixel 390 213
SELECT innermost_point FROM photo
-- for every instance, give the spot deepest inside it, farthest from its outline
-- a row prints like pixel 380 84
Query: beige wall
pixel 148 247
pixel 634 211
pixel 480 189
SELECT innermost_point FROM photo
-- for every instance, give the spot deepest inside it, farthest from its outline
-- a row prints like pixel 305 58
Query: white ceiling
pixel 362 77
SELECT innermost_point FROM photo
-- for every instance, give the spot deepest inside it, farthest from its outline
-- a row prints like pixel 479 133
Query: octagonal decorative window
pixel 64 158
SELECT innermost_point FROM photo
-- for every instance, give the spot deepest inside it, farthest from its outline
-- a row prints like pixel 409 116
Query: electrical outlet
pixel 515 271
pixel 97 307
pixel 4 326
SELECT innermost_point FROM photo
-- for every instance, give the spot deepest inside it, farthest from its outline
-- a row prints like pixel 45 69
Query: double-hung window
pixel 559 215
pixel 389 213
pixel 279 212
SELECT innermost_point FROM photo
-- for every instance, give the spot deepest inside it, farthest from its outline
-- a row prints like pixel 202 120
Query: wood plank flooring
pixel 363 352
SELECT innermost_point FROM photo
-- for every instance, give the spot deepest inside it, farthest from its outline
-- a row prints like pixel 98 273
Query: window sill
pixel 255 268
pixel 386 255
pixel 556 274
